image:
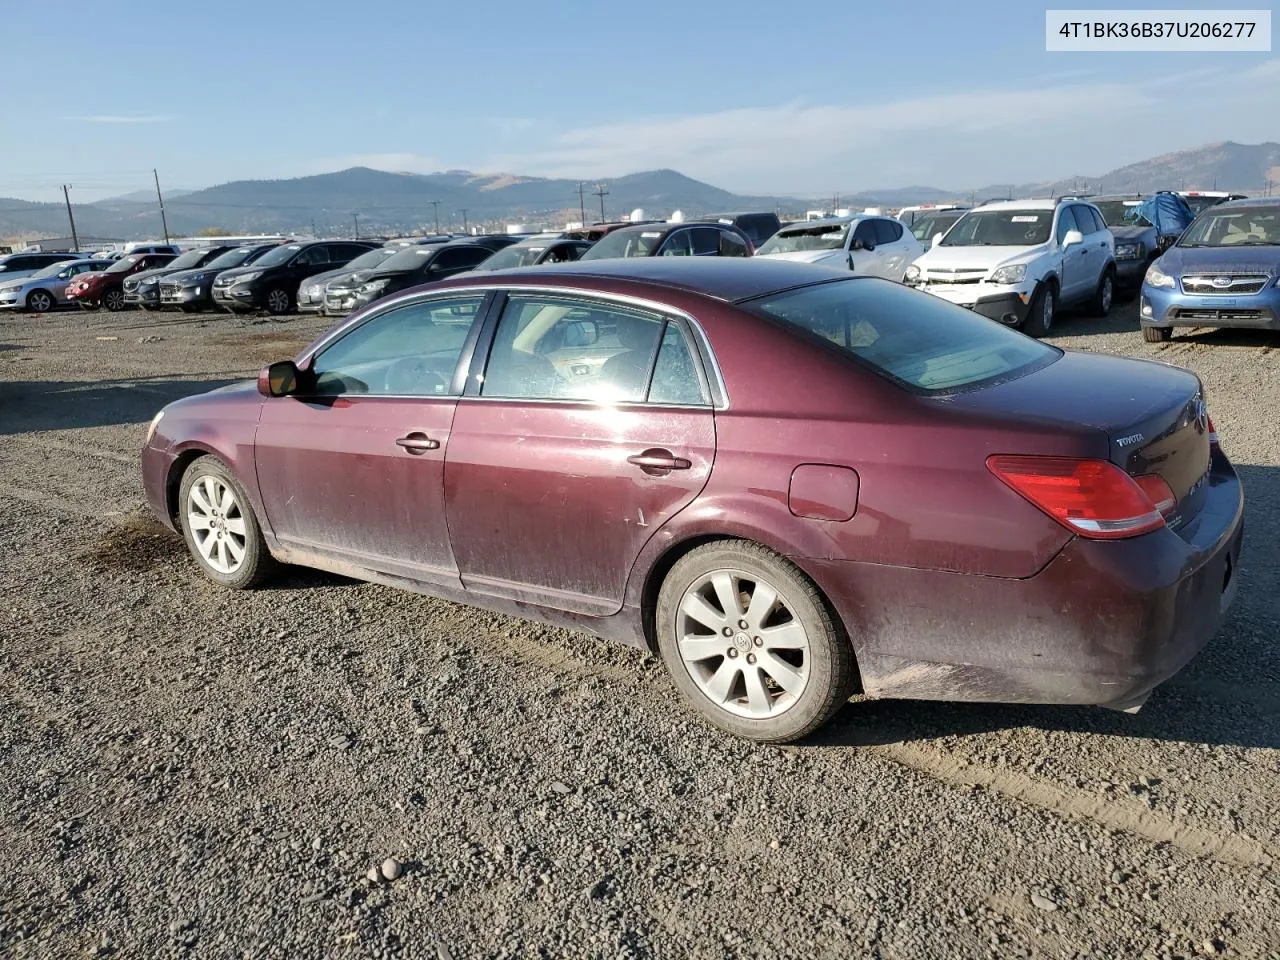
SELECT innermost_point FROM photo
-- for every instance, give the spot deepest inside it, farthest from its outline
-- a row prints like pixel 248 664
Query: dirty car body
pixel 939 481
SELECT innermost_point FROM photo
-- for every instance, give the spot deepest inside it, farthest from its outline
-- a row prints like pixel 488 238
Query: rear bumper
pixel 1103 623
pixel 1163 307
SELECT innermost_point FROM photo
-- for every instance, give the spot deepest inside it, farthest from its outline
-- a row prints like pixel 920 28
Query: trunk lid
pixel 1151 416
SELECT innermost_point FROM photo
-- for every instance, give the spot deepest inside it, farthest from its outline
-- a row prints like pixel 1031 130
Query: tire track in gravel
pixel 1233 849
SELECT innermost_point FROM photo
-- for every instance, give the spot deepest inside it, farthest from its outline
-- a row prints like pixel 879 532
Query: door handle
pixel 657 461
pixel 417 443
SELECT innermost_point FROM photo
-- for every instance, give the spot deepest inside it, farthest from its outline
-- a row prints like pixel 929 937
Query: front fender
pixel 231 442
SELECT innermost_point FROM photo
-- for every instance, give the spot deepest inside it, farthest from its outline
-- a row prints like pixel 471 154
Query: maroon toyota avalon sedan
pixel 790 482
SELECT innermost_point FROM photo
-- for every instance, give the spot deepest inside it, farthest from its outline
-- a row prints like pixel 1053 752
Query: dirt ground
pixel 191 772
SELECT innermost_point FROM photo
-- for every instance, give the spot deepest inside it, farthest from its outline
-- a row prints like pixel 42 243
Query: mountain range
pixel 376 201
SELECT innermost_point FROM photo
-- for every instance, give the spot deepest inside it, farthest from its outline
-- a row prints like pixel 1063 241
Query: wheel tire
pixel 279 301
pixel 1044 307
pixel 1105 295
pixel 256 563
pixel 113 300
pixel 40 301
pixel 827 656
pixel 1157 334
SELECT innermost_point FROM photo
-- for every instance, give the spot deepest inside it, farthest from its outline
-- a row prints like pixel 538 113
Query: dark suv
pixel 758 227
pixel 192 290
pixel 423 263
pixel 143 288
pixel 673 240
pixel 271 282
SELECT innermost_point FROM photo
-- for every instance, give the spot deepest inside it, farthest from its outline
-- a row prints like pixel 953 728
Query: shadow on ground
pixel 30 406
pixel 1228 695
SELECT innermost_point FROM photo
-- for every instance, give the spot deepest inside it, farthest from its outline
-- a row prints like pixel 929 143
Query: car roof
pixel 852 218
pixel 1036 203
pixel 1247 203
pixel 732 279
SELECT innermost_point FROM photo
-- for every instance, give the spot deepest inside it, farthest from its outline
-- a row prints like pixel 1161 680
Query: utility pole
pixel 355 218
pixel 314 235
pixel 601 192
pixel 75 240
pixel 159 196
pixel 465 228
pixel 582 202
pixel 435 211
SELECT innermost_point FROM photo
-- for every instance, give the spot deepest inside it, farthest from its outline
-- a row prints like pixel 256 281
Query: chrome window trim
pixel 719 401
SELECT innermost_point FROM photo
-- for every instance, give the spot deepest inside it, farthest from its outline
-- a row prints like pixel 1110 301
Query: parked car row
pixel 1014 261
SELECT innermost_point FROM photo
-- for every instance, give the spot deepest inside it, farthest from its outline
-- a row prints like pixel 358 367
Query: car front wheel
pixel 750 642
pixel 279 302
pixel 1044 307
pixel 113 300
pixel 1105 294
pixel 220 528
pixel 1157 334
pixel 40 301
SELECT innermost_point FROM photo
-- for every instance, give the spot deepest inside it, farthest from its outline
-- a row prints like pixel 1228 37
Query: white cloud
pixel 1082 124
pixel 120 118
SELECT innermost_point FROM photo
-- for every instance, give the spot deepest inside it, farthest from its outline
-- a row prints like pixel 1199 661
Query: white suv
pixel 1015 261
pixel 878 246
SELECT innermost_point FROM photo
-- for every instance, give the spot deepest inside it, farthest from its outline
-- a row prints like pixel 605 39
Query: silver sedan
pixel 46 289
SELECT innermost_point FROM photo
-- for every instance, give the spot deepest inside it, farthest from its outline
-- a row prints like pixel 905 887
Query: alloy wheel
pixel 1046 310
pixel 278 301
pixel 113 300
pixel 40 302
pixel 744 648
pixel 217 524
pixel 1108 292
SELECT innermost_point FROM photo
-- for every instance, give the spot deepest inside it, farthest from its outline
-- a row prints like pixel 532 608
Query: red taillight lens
pixel 1093 498
pixel 1158 492
pixel 1213 433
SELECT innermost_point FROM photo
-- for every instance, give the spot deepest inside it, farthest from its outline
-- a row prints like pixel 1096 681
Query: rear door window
pixel 865 234
pixel 918 340
pixel 887 231
pixel 732 245
pixel 706 241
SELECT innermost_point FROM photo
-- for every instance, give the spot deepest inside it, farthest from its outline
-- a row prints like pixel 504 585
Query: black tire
pixel 1157 334
pixel 279 301
pixel 1105 295
pixel 832 672
pixel 40 301
pixel 1039 319
pixel 189 309
pixel 257 564
pixel 113 300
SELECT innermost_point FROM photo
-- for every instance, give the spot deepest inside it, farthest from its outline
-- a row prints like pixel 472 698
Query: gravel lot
pixel 191 772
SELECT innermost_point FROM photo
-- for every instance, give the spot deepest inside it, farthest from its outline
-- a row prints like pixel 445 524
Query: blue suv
pixel 1222 272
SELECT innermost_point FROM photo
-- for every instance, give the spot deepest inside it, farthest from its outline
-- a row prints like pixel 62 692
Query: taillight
pixel 1093 498
pixel 1158 492
pixel 1213 433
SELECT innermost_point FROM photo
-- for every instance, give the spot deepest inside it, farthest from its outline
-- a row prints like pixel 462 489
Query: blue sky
pixel 806 98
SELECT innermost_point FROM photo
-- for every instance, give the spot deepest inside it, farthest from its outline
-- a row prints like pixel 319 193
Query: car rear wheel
pixel 279 302
pixel 751 643
pixel 1105 294
pixel 40 301
pixel 1044 307
pixel 113 300
pixel 1157 334
pixel 220 528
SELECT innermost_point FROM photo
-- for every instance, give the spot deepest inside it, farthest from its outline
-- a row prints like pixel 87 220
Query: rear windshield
pixel 625 243
pixel 822 236
pixel 916 339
